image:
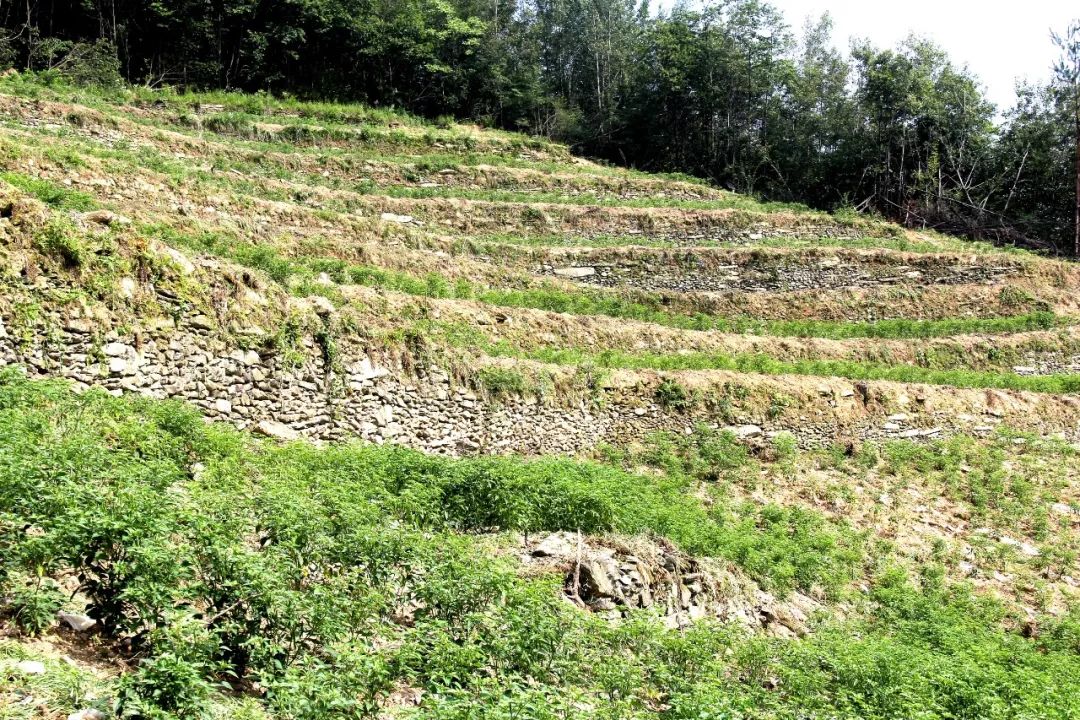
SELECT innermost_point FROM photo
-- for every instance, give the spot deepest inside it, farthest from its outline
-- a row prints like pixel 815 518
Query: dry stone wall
pixel 688 273
pixel 367 398
pixel 705 234
pixel 377 398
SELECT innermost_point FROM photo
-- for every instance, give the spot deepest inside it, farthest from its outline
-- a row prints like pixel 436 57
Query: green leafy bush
pixel 34 607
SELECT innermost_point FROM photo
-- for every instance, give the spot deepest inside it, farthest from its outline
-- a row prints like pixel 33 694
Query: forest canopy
pixel 728 92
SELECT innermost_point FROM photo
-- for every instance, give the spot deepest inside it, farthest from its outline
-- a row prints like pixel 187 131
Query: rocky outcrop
pixel 611 577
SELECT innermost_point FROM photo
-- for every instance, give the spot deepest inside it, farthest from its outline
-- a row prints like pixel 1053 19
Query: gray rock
pixel 595 580
pixel 744 432
pixel 575 272
pixel 105 217
pixel 276 430
pixel 321 305
pixel 202 322
pixel 557 545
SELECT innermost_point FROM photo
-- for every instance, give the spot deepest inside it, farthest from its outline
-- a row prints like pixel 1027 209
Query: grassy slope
pixel 330 577
pixel 240 579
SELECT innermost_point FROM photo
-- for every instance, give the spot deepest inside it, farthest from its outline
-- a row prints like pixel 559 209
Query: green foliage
pixel 34 607
pixel 333 576
pixel 59 239
pixel 764 364
pixel 162 687
pixel 50 193
pixel 92 64
pixel 671 394
pixel 502 382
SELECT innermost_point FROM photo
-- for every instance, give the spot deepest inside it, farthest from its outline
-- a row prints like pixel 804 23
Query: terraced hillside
pixel 753 460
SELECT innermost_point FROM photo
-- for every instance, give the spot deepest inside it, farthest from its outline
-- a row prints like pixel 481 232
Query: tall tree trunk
pixel 1076 216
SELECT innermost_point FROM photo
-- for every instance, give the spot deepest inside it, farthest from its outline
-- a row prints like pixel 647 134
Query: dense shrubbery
pixel 330 576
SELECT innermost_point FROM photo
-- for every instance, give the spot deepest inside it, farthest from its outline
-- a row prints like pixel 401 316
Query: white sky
pixel 999 41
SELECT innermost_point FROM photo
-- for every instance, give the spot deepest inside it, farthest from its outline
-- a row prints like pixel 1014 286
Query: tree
pixel 1067 79
pixel 718 89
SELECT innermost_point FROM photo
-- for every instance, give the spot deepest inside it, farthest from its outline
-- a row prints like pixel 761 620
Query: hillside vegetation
pixel 318 411
pixel 730 90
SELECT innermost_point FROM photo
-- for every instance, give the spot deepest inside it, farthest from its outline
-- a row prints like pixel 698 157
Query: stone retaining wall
pixel 689 273
pixel 379 400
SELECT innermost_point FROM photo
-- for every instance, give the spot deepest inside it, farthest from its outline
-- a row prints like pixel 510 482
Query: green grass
pixel 148 158
pixel 595 302
pixel 218 561
pixel 50 193
pixel 585 301
pixel 764 364
pixel 353 127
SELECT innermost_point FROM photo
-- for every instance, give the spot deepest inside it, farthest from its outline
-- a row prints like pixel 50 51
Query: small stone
pixel 596 580
pixel 223 406
pixel 604 604
pixel 744 432
pixel 118 366
pixel 179 259
pixel 202 322
pixel 384 415
pixel 75 325
pixel 1024 547
pixel 366 370
pixel 322 306
pixel 400 219
pixel 105 217
pixel 115 350
pixel 554 545
pixel 127 287
pixel 276 430
pixel 575 272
